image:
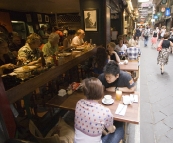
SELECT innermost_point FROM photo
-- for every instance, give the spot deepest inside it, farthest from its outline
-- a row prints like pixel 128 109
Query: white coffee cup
pixel 125 62
pixel 62 92
pixel 107 98
pixel 127 100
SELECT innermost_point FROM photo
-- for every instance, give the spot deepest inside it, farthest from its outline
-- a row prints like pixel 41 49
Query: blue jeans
pixel 145 41
pixel 116 136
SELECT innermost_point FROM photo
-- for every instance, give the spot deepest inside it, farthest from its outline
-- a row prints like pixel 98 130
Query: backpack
pixel 146 33
pixel 155 34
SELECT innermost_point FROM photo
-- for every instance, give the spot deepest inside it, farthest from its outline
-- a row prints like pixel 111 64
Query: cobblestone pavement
pixel 156 111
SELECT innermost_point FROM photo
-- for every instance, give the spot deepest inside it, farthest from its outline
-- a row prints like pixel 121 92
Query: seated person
pixel 78 39
pixel 112 54
pixel 42 34
pixel 29 54
pixel 99 61
pixel 112 78
pixel 122 48
pixel 92 118
pixel 51 47
pixel 132 53
pixel 67 40
pixel 15 44
pixel 6 63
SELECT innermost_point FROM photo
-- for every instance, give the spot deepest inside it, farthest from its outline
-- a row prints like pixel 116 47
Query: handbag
pixel 159 48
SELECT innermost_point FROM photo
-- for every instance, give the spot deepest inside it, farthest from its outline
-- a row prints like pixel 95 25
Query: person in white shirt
pixel 162 32
pixel 78 39
pixel 121 48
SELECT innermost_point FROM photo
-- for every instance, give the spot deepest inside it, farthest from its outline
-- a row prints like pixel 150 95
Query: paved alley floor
pixel 156 93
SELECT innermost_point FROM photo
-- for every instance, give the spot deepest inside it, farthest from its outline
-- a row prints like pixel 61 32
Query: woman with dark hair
pixel 100 60
pixel 163 55
pixel 92 118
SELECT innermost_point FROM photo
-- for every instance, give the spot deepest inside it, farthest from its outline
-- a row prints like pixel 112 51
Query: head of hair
pixel 131 43
pixel 92 88
pixel 166 35
pixel 112 44
pixel 32 38
pixel 111 68
pixel 101 57
pixel 53 37
pixel 43 27
pixel 79 31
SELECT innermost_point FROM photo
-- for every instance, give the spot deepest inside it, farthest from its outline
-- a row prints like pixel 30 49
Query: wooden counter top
pixel 30 85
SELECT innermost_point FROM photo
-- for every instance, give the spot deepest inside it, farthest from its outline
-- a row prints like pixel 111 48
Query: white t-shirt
pixel 122 49
pixel 162 32
pixel 76 41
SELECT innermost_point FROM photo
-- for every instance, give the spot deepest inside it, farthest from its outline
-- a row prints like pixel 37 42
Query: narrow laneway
pixel 156 111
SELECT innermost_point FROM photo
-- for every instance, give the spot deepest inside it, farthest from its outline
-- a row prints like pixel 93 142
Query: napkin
pixel 134 97
pixel 121 63
pixel 121 110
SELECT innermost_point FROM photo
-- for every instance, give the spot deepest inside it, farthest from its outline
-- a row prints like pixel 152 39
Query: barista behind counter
pixel 78 39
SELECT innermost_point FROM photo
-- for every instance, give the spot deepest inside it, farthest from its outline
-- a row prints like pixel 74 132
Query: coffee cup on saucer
pixel 62 92
pixel 107 99
pixel 125 62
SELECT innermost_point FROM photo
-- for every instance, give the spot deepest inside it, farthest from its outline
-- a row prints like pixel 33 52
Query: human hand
pixel 8 66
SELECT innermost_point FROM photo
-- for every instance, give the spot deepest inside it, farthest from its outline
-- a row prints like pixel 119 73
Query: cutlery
pixel 121 109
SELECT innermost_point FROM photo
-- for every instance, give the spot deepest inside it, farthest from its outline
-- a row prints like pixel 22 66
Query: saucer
pixel 62 94
pixel 111 101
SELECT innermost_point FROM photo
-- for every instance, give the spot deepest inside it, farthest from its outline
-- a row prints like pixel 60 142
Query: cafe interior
pixel 45 94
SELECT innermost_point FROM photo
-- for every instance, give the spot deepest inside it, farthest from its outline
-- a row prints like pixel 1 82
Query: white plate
pixel 21 69
pixel 77 51
pixel 62 94
pixel 111 101
pixel 32 67
pixel 80 48
pixel 64 54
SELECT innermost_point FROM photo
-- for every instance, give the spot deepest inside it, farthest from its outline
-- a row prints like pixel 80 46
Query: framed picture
pixel 28 18
pixel 46 18
pixel 30 29
pixel 39 17
pixel 90 20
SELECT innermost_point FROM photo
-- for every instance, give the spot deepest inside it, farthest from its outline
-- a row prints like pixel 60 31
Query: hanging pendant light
pixel 167 12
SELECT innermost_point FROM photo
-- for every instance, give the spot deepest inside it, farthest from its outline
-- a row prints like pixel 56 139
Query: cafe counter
pixel 64 64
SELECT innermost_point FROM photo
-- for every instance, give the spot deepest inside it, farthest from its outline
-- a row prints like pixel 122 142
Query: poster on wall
pixel 30 29
pixel 90 20
pixel 28 18
pixel 39 17
pixel 46 18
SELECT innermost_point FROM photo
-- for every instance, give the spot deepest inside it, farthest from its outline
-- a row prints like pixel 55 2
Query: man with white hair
pixel 51 47
pixel 78 39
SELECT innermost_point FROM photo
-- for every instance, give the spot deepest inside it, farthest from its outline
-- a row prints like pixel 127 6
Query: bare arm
pixel 117 57
pixel 171 44
pixel 123 89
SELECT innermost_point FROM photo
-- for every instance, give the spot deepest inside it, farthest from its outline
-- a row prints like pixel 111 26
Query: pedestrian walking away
pixel 154 38
pixel 163 55
pixel 146 36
